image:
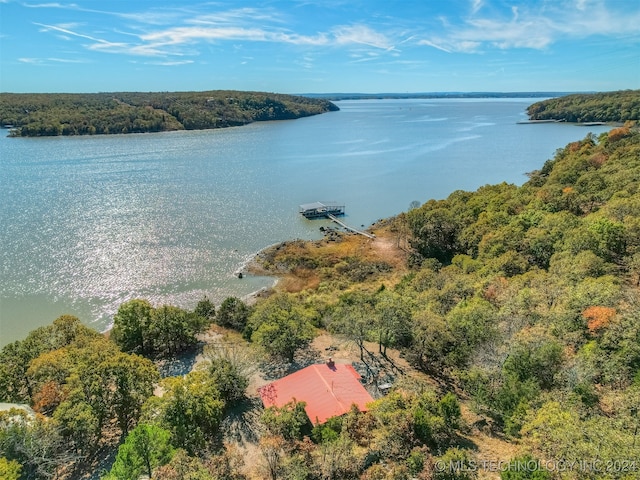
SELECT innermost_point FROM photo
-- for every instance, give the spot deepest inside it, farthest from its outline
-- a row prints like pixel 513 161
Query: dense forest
pixel 31 115
pixel 508 318
pixel 618 106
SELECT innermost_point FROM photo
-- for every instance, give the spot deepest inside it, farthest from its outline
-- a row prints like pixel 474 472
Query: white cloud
pixel 361 35
pixel 48 61
pixel 430 43
pixel 487 24
pixel 476 5
pixel 170 63
pixel 533 26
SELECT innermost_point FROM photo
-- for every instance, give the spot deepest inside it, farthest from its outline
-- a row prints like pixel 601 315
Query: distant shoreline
pixel 433 95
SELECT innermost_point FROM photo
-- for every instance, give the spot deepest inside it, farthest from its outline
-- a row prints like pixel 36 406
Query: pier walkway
pixel 351 229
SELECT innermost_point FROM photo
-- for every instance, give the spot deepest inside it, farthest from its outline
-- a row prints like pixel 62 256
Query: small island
pixel 54 114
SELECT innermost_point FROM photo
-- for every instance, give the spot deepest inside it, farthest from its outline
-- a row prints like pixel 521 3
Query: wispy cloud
pixel 179 31
pixel 361 35
pixel 173 63
pixel 533 27
pixel 49 61
pixel 476 5
pixel 185 29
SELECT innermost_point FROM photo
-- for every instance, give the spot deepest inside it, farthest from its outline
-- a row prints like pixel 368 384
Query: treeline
pixel 31 115
pixel 618 106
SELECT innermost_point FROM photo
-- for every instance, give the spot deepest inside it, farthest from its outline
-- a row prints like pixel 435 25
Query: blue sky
pixel 315 46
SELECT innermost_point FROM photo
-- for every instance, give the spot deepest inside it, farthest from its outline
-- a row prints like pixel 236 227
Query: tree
pixel 271 449
pixel 455 464
pixel 435 230
pixel 392 321
pixel 230 380
pixel 205 309
pixel 281 326
pixel 80 425
pixel 130 380
pixel 15 358
pixel 233 313
pixel 35 443
pixel 539 359
pixel 432 342
pixel 9 469
pixel 191 409
pixel 471 322
pixel 289 421
pixel 524 468
pixel 230 365
pixel 130 326
pixel 145 448
pixel 173 329
pixel 352 318
pixel 183 467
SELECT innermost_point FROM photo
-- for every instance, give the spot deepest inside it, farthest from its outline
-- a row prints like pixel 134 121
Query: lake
pixel 90 222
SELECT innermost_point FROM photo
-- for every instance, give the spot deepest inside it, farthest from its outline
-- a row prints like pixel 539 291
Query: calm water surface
pixel 90 222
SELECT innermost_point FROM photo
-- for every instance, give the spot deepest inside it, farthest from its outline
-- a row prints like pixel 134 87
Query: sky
pixel 320 46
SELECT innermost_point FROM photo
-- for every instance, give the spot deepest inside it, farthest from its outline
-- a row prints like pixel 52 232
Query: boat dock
pixel 329 210
pixel 321 209
pixel 351 229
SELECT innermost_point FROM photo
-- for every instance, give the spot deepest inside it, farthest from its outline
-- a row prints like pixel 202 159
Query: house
pixel 328 389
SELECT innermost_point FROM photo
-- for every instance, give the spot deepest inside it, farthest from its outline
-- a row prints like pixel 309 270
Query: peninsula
pixel 53 114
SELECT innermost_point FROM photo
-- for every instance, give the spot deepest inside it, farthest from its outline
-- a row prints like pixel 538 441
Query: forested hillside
pixel 30 115
pixel 507 319
pixel 594 107
pixel 523 300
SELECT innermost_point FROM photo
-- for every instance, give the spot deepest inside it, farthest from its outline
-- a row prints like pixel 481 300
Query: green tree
pixel 471 323
pixel 352 319
pixel 173 329
pixel 524 468
pixel 15 358
pixel 233 313
pixel 80 425
pixel 229 379
pixel 392 321
pixel 191 409
pixel 205 309
pixel 131 381
pixel 130 326
pixel 536 358
pixel 145 448
pixel 9 469
pixel 289 421
pixel 432 342
pixel 455 464
pixel 281 326
pixel 435 229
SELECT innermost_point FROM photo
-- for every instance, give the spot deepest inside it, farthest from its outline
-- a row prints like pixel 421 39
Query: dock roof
pixel 316 205
pixel 329 390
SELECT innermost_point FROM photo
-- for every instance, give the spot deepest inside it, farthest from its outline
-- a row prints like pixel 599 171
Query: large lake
pixel 90 222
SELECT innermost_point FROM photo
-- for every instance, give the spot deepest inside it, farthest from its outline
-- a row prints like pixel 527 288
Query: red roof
pixel 328 391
